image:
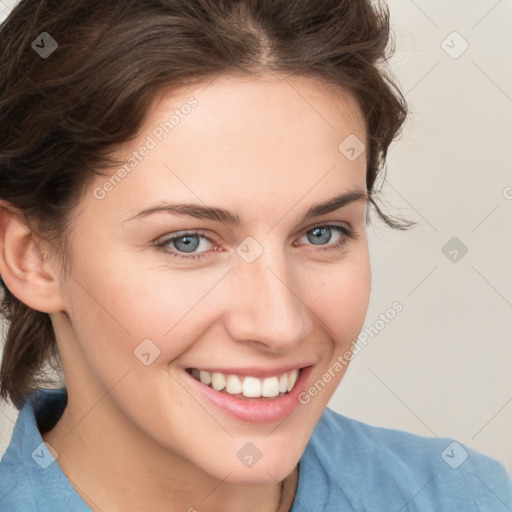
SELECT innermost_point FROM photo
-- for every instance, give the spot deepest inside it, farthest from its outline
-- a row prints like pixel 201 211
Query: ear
pixel 26 267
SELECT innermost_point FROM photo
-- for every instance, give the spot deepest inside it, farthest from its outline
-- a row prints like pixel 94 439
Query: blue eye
pixel 323 233
pixel 185 243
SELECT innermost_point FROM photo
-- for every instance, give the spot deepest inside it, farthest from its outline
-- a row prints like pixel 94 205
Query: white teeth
pixel 205 377
pixel 292 379
pixel 270 387
pixel 218 381
pixel 233 385
pixel 283 383
pixel 251 387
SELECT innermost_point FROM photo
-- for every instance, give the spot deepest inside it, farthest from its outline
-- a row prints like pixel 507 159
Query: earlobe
pixel 25 266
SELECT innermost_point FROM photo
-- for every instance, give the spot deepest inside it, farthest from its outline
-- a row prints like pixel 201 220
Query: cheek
pixel 121 316
pixel 340 297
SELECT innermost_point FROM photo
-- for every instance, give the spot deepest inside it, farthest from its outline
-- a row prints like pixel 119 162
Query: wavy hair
pixel 63 116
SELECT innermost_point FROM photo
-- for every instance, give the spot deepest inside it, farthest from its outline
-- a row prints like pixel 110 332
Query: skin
pixel 137 437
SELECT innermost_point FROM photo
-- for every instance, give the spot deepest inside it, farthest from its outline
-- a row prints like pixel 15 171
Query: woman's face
pixel 262 297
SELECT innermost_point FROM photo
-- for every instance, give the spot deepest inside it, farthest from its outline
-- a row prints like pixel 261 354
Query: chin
pixel 257 476
pixel 264 471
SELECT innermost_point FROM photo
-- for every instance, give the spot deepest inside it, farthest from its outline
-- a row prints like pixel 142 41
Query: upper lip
pixel 254 371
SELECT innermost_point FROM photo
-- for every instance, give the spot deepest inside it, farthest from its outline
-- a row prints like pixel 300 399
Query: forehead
pixel 243 139
pixel 268 101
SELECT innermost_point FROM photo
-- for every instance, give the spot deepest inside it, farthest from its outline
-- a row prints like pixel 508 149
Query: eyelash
pixel 163 245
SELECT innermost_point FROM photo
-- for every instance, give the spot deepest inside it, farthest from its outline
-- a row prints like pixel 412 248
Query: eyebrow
pixel 226 216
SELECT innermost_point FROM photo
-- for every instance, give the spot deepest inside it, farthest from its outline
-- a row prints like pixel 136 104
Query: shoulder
pixel 25 468
pixel 427 470
pixel 16 491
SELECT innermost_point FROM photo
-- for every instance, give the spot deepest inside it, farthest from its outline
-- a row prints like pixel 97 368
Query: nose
pixel 269 304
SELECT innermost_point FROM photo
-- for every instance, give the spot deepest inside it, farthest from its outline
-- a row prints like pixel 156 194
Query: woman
pixel 166 169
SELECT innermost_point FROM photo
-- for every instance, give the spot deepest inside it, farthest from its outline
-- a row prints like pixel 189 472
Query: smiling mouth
pixel 247 386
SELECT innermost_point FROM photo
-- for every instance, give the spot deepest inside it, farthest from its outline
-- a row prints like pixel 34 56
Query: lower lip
pixel 254 411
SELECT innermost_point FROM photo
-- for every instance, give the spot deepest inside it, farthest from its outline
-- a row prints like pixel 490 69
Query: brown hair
pixel 61 116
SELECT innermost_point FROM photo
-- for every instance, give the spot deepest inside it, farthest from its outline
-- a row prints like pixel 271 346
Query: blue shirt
pixel 347 466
